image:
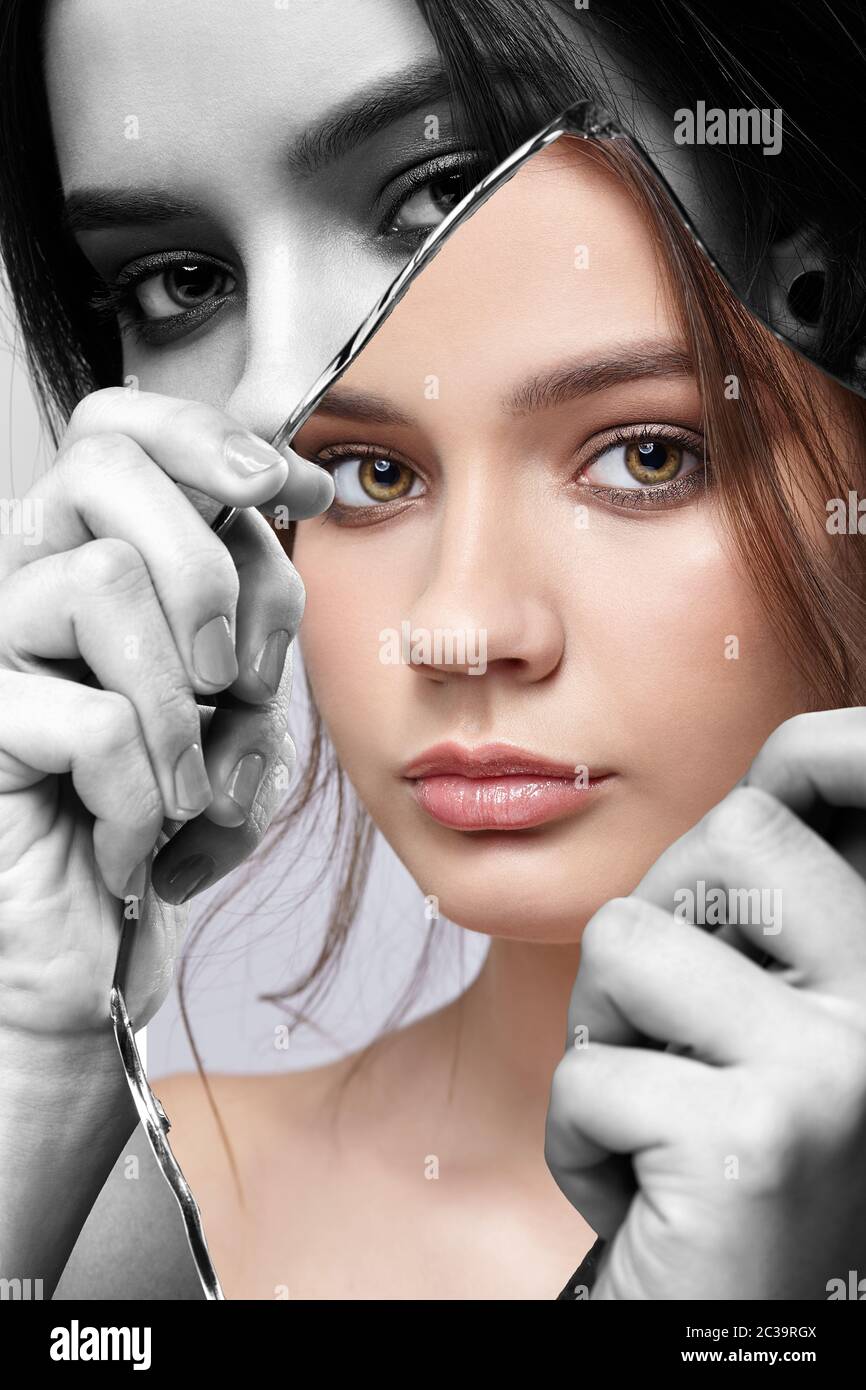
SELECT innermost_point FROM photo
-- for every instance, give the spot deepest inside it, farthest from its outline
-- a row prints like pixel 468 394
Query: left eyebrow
pixel 583 377
pixel 361 406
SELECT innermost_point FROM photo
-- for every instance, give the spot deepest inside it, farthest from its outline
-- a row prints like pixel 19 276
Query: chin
pixel 490 883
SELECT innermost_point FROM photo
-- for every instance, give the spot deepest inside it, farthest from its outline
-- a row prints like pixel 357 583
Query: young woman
pixel 128 583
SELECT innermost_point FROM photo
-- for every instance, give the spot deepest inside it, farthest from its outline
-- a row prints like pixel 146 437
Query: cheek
pixel 350 598
pixel 695 676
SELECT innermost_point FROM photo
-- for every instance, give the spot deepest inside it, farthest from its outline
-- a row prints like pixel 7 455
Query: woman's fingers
pixel 97 602
pixel 753 862
pixel 269 608
pixel 814 756
pixel 242 745
pixel 204 449
pixel 57 726
pixel 108 488
pixel 644 975
pixel 201 853
pixel 607 1104
pixel 206 586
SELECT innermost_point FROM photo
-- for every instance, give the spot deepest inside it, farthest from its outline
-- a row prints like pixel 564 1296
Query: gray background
pixel 266 937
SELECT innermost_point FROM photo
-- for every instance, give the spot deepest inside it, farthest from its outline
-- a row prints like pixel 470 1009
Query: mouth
pixel 499 786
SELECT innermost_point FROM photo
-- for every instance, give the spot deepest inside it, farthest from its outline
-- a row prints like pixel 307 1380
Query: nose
pixel 282 358
pixel 302 307
pixel 481 613
pixel 299 314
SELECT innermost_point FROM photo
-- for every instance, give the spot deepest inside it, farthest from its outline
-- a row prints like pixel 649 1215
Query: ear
pixel 793 278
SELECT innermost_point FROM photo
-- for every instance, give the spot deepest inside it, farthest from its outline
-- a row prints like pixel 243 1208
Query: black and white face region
pixel 248 179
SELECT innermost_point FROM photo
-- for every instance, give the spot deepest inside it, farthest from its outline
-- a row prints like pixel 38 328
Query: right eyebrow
pixel 342 130
pixel 361 117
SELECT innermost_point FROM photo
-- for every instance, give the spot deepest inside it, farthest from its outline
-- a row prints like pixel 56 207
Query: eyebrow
pixel 565 382
pixel 631 362
pixel 359 405
pixel 338 133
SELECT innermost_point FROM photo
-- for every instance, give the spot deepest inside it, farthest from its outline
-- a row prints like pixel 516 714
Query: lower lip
pixel 513 802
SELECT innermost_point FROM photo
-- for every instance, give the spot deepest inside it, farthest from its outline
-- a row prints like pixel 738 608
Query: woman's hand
pixel 709 1116
pixel 124 586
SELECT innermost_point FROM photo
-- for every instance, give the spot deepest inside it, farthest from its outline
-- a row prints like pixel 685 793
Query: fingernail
pixel 244 781
pixel 287 752
pixel 213 653
pixel 136 886
pixel 247 454
pixel 191 875
pixel 270 661
pixel 191 785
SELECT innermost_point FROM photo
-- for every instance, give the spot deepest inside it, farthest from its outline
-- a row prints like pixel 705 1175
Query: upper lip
pixel 490 760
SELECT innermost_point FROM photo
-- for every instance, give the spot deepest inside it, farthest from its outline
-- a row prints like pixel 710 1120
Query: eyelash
pixel 116 300
pixel 471 163
pixel 672 494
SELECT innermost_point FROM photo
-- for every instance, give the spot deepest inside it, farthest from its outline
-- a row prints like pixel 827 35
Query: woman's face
pixel 604 624
pixel 291 157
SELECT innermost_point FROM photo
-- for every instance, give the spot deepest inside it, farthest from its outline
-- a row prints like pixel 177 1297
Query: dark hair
pixel 512 67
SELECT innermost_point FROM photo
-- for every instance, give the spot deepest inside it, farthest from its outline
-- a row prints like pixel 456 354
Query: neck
pixel 513 1023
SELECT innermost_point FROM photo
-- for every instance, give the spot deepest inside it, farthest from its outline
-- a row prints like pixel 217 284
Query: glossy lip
pixel 489 760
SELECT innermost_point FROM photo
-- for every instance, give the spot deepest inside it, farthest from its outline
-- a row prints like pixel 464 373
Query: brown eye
pixel 384 480
pixel 363 479
pixel 653 460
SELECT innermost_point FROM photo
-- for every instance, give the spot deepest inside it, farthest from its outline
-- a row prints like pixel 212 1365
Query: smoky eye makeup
pixel 162 296
pixel 165 295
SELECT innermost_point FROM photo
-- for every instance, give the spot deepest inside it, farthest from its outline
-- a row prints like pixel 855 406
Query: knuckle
pixel 109 724
pixel 92 410
pixel 197 420
pixel 746 816
pixel 785 744
pixel 619 923
pixel 207 571
pixel 98 452
pixel 765 1141
pixel 109 565
pixel 178 710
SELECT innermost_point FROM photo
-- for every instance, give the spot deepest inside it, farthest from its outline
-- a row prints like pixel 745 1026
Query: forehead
pixel 559 260
pixel 211 83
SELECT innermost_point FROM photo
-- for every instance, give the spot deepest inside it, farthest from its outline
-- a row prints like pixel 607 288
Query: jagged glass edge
pixel 156 1123
pixel 583 118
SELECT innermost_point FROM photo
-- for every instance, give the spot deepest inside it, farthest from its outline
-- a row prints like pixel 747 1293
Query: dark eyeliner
pixel 115 299
pixel 401 187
